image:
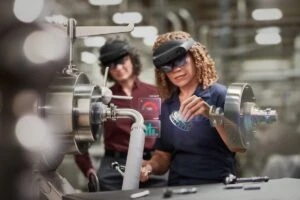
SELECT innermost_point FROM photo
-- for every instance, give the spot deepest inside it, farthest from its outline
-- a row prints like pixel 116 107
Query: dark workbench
pixel 277 189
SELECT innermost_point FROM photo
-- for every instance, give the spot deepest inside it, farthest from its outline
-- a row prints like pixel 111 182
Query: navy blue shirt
pixel 199 156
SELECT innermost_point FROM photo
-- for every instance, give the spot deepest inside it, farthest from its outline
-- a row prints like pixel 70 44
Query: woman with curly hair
pixel 187 82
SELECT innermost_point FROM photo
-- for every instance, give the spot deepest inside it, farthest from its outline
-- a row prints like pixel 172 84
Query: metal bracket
pixel 74 32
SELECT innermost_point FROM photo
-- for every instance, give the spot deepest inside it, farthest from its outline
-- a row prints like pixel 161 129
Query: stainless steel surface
pixel 67 110
pixel 242 116
pixel 84 31
pixel 71 30
pixel 237 95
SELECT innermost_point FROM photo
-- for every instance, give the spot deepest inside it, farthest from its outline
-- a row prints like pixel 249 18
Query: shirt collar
pixel 200 92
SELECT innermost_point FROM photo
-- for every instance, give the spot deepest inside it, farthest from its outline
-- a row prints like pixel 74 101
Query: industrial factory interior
pixel 56 93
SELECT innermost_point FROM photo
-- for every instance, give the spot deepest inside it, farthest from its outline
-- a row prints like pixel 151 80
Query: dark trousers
pixel 111 179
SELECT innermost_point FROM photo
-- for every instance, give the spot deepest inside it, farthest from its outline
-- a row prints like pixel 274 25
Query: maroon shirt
pixel 117 133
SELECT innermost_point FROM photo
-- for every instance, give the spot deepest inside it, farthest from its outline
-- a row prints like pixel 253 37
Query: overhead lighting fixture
pixel 104 2
pixel 144 31
pixel 268 38
pixel 127 18
pixel 97 41
pixel 267 14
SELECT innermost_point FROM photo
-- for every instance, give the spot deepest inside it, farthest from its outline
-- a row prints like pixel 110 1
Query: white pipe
pixel 135 150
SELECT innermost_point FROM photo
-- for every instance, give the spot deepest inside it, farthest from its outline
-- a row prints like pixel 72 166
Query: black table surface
pixel 285 188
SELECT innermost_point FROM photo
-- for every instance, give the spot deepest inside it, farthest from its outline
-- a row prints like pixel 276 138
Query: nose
pixel 116 66
pixel 175 69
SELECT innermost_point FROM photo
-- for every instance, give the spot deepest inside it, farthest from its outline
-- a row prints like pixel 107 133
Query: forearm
pixel 160 162
pixel 84 163
pixel 224 137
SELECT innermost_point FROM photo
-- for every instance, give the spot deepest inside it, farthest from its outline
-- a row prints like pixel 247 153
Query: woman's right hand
pixel 146 171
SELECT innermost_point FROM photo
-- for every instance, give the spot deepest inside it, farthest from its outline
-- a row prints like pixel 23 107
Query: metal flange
pixel 242 116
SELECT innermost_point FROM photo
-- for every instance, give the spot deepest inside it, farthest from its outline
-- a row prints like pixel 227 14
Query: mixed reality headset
pixel 113 53
pixel 171 54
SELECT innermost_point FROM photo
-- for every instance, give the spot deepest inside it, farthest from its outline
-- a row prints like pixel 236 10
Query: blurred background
pixel 253 41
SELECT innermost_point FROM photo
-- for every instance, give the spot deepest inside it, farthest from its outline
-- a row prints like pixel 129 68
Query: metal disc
pixel 237 95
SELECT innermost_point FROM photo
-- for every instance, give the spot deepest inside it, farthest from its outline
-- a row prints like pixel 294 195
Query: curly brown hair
pixel 205 66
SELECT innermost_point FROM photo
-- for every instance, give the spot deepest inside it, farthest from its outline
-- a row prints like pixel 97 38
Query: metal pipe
pixel 135 149
pixel 71 29
pixel 127 112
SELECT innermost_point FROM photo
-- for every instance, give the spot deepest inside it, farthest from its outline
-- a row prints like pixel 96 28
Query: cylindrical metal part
pixel 242 116
pixel 237 94
pixel 67 106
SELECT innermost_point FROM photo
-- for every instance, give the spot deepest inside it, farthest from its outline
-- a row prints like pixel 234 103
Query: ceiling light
pixel 267 38
pixel 267 14
pixel 144 31
pixel 97 41
pixel 127 18
pixel 104 2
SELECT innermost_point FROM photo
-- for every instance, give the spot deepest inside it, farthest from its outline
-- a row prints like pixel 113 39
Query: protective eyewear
pixel 171 54
pixel 178 62
pixel 113 65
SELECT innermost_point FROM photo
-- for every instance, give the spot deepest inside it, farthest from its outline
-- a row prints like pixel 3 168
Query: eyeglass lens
pixel 175 63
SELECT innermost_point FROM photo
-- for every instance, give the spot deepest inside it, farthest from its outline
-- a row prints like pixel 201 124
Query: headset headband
pixel 112 52
pixel 171 50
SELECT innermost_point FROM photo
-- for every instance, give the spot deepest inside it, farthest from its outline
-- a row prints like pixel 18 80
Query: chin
pixel 181 82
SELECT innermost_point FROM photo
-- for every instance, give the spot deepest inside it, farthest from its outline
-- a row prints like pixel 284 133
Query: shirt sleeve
pixel 84 163
pixel 221 95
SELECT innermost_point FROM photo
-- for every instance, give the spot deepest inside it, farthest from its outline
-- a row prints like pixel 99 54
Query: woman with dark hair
pixel 187 82
pixel 124 66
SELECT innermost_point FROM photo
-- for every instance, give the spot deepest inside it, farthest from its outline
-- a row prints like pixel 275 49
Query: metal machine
pixel 76 109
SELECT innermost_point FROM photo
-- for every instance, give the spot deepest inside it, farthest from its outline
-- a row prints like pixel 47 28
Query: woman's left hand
pixel 192 107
